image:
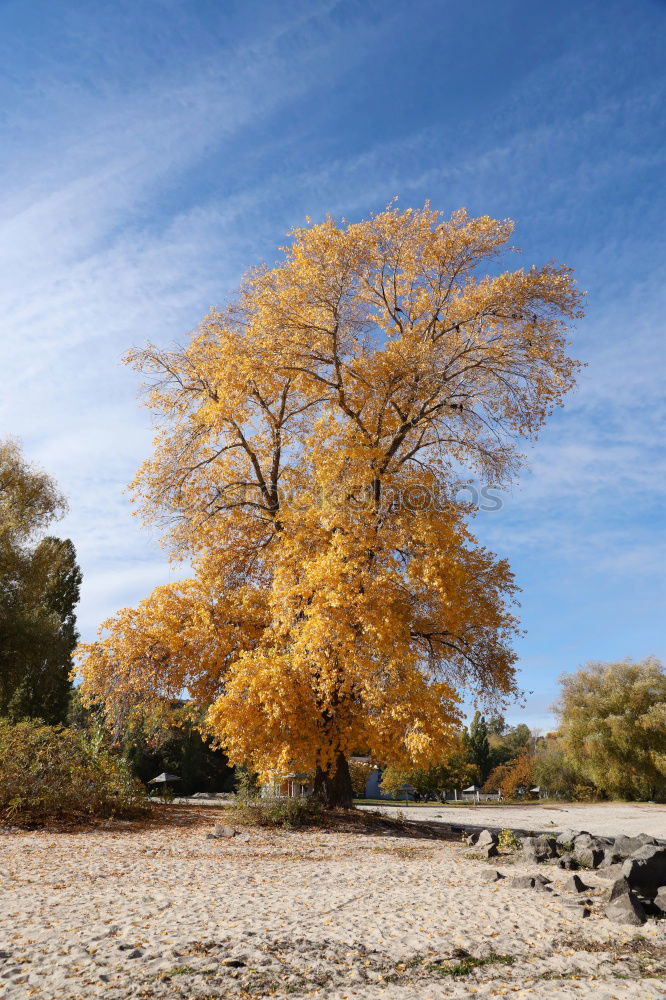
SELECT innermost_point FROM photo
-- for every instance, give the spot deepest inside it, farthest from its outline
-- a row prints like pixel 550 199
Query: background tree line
pixel 611 740
pixel 610 743
pixel 480 748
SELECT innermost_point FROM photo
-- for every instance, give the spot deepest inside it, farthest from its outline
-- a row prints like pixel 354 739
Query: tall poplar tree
pixel 39 591
pixel 310 441
pixel 479 745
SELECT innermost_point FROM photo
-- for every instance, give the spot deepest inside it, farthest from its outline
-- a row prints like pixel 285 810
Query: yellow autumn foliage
pixel 310 441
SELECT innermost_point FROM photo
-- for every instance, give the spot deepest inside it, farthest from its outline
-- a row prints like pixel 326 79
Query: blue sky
pixel 152 151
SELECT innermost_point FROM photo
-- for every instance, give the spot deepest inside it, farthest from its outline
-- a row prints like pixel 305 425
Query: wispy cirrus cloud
pixel 156 152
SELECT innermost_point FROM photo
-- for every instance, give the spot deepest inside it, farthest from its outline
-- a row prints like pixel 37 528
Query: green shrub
pixel 585 793
pixel 51 774
pixel 508 841
pixel 286 813
pixel 248 788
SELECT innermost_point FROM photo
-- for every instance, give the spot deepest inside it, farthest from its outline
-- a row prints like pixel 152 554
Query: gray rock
pixel 538 882
pixel 565 840
pixel 576 884
pixel 626 909
pixel 611 874
pixel 492 876
pixel 480 838
pixel 589 856
pixel 135 953
pixel 569 863
pixel 611 857
pixel 646 840
pixel 646 869
pixel 523 882
pixel 223 832
pixel 539 848
pixel 486 837
pixel 583 840
pixel 626 846
pixel 487 850
pixel 619 888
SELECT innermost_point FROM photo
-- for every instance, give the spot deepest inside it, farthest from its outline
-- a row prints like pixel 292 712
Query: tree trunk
pixel 333 788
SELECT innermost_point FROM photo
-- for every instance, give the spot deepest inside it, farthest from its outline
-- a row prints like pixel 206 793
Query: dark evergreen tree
pixel 479 745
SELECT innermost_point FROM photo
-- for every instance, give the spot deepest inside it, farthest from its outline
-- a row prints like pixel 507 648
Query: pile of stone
pixel 636 867
pixel 484 843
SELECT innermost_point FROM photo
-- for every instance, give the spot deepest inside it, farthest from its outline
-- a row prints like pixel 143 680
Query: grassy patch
pixel 179 970
pixel 468 964
pixel 646 957
pixel 417 852
pixel 573 974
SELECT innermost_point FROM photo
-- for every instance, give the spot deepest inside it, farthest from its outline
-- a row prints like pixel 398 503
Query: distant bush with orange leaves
pixel 513 778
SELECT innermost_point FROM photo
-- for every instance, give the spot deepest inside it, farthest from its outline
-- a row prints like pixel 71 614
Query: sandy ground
pixel 164 912
pixel 605 819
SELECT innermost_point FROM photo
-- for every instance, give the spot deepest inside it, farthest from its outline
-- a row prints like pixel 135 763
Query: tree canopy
pixel 310 440
pixel 613 726
pixel 39 591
